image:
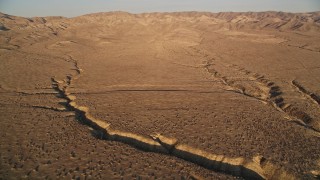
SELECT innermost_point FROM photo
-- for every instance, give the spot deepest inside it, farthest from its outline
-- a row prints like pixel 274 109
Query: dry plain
pixel 187 95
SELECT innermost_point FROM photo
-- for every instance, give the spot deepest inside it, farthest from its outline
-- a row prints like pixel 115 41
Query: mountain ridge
pixel 232 20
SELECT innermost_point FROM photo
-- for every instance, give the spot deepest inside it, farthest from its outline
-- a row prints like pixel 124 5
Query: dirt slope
pixel 186 95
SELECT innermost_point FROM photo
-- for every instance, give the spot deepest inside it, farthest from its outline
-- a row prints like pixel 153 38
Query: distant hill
pixel 231 20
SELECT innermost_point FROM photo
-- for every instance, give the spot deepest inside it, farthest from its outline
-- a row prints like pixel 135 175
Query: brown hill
pixel 186 95
pixel 232 20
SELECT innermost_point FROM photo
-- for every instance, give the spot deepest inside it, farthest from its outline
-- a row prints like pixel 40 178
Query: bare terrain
pixel 185 95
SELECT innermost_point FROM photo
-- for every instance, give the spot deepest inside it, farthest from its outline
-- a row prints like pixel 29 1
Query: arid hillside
pixel 186 95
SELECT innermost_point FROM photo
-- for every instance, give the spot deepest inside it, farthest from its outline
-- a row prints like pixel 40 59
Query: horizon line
pixel 163 12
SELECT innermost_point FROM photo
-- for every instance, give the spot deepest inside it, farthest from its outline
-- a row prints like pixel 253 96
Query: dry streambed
pixel 256 168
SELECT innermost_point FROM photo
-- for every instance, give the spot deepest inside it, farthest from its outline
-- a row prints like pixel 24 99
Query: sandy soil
pixel 160 96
